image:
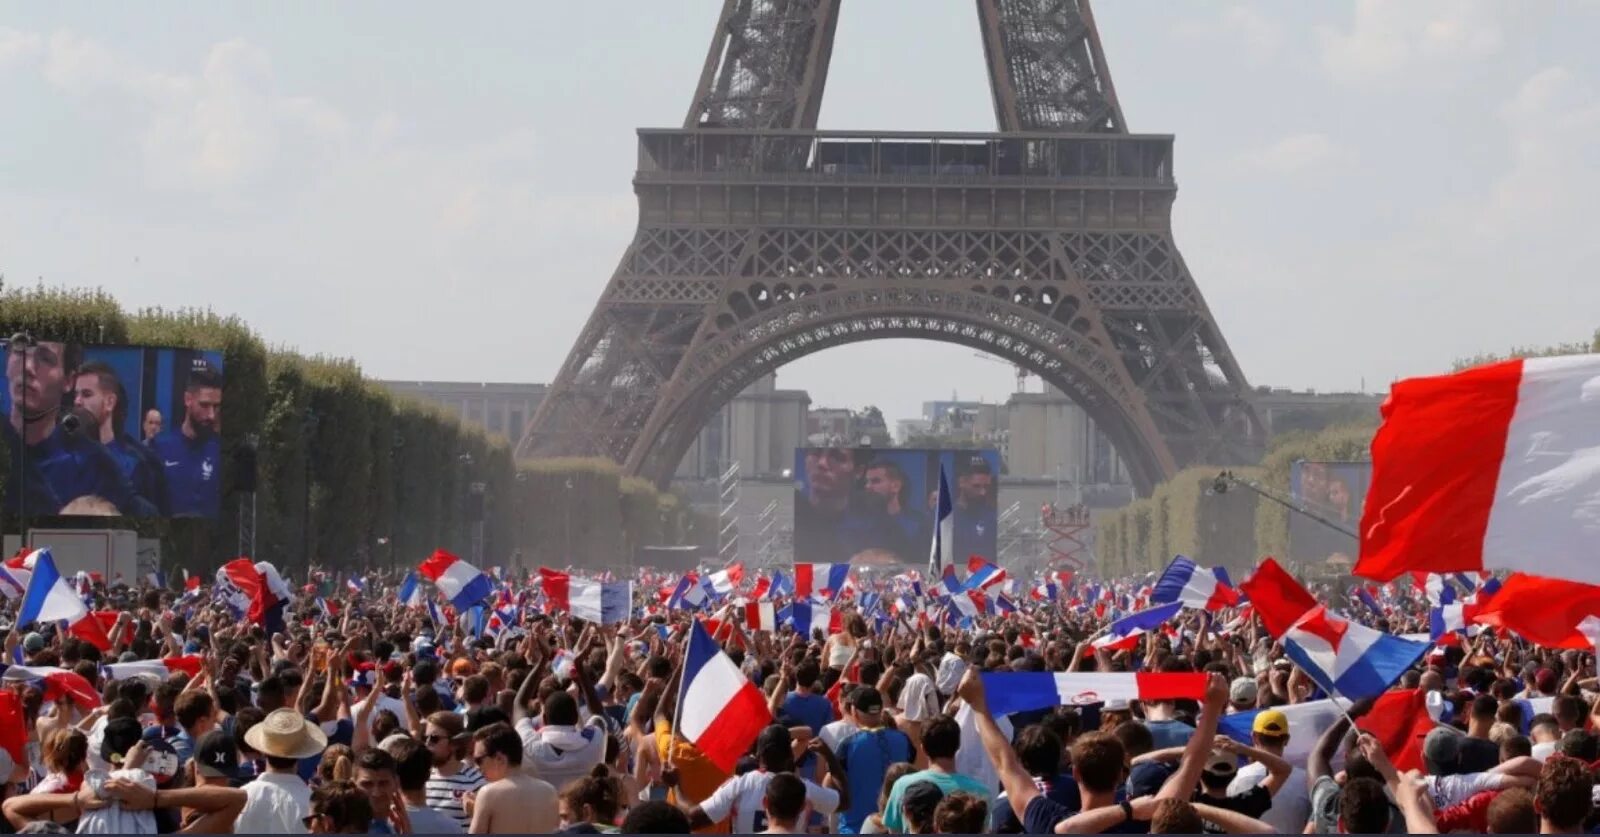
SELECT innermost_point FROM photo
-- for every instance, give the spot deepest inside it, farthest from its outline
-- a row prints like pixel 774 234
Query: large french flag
pixel 51 598
pixel 824 579
pixel 460 582
pixel 761 616
pixel 57 683
pixel 722 712
pixel 689 594
pixel 807 616
pixel 1349 658
pixel 1277 597
pixel 1195 586
pixel 725 581
pixel 1010 692
pixel 1493 468
pixel 942 553
pixel 1125 633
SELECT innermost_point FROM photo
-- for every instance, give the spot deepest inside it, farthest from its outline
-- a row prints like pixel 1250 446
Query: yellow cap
pixel 1271 722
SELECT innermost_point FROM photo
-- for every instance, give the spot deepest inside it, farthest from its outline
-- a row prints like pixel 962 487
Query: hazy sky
pixel 1368 189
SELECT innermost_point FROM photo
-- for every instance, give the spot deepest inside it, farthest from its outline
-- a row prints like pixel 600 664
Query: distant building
pixel 759 429
pixel 830 426
pixel 498 408
pixel 1285 410
pixel 1051 437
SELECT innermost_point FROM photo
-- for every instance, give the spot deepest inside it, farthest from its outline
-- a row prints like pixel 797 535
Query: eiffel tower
pixel 762 239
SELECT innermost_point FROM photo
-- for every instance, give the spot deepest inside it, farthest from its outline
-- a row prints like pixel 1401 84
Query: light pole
pixel 22 344
pixel 566 505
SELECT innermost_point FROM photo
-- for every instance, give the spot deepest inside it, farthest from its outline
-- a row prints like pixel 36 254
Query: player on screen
pixel 976 520
pixel 191 452
pixel 899 526
pixel 98 390
pixel 58 465
pixel 151 427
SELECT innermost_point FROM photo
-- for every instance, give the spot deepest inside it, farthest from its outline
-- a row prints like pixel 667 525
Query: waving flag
pixel 411 591
pixel 460 582
pixel 1346 657
pixel 356 584
pixel 1010 692
pixel 982 574
pixel 726 580
pixel 17 570
pixel 1277 598
pixel 1045 592
pixel 1307 722
pixel 51 598
pixel 815 579
pixel 942 554
pixel 1457 617
pixel 1493 468
pixel 594 601
pixel 1125 632
pixel 58 684
pixel 435 615
pixel 761 616
pixel 1193 585
pixel 1545 611
pixel 722 712
pixel 810 616
pixel 689 595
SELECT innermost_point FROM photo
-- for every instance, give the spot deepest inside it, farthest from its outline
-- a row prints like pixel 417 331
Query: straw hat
pixel 284 733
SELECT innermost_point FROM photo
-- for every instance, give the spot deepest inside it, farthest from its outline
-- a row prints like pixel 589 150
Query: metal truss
pixel 762 240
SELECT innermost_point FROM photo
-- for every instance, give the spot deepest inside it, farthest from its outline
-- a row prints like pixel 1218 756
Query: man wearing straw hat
pixel 278 801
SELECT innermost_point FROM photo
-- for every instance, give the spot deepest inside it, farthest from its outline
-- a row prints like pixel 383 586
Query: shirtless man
pixel 512 802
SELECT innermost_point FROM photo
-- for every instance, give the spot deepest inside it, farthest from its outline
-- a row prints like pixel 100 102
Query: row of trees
pixel 1232 529
pixel 389 479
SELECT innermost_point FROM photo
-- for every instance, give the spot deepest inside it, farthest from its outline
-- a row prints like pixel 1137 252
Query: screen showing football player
pixel 191 451
pixel 822 499
pixel 888 494
pixel 976 520
pixel 98 391
pixel 64 459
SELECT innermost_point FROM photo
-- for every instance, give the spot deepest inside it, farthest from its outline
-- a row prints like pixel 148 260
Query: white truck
pixel 115 554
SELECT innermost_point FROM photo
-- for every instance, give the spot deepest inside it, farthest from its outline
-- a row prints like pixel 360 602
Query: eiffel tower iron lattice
pixel 762 239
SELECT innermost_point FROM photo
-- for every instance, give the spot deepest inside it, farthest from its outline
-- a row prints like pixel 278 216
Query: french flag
pixel 158 670
pixel 1010 692
pixel 942 553
pixel 58 684
pixel 1349 658
pixel 50 598
pixel 356 584
pixel 594 601
pixel 1454 617
pixel 1045 592
pixel 820 579
pixel 982 574
pixel 460 582
pixel 761 616
pixel 265 592
pixel 807 616
pixel 1125 632
pixel 1544 611
pixel 411 591
pixel 726 580
pixel 690 594
pixel 1493 468
pixel 1193 585
pixel 722 712
pixel 17 570
pixel 1276 597
pixel 435 615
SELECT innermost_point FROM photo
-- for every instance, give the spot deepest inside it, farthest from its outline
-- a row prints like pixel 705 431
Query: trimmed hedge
pixel 389 478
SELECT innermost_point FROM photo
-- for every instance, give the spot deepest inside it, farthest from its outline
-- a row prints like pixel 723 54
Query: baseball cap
pixel 1441 750
pixel 119 737
pixel 33 643
pixel 1221 765
pixel 216 756
pixel 1270 722
pixel 1242 690
pixel 161 761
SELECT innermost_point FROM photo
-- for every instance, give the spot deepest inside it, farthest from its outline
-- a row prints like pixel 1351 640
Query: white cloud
pixel 1241 29
pixel 1388 37
pixel 1294 154
pixel 17 47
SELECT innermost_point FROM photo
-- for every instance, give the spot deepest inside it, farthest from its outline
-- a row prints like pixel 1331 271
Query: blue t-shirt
pixel 344 732
pixel 866 756
pixel 139 466
pixel 814 711
pixel 1169 733
pixel 59 470
pixel 975 531
pixel 193 472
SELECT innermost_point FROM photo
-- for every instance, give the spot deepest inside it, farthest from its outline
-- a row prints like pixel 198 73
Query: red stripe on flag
pixel 735 728
pixel 1400 722
pixel 1435 464
pixel 1278 599
pixel 1544 611
pixel 1171 686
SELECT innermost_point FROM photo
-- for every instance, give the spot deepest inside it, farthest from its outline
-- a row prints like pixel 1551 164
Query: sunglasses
pixel 310 819
pixel 434 739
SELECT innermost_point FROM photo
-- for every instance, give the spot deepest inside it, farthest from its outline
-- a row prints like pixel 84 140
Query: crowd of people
pixel 369 714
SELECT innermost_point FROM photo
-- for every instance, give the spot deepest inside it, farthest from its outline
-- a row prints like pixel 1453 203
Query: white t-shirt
pixel 951 668
pixel 742 796
pixel 918 700
pixel 1291 807
pixel 1544 750
pixel 559 754
pixel 274 803
pixel 834 733
pixel 395 705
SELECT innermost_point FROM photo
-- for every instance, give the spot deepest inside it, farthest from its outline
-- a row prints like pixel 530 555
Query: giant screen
pixel 1334 490
pixel 877 504
pixel 130 431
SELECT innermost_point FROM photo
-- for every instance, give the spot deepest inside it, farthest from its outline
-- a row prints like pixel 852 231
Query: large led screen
pixel 1334 491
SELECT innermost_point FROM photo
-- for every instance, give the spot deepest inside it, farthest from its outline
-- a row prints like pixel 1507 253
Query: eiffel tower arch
pixel 762 239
